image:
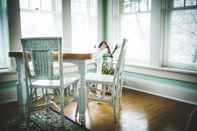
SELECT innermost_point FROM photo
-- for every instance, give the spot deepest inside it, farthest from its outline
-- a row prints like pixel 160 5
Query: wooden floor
pixel 140 112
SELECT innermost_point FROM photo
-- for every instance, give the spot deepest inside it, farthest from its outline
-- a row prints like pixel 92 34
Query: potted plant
pixel 107 58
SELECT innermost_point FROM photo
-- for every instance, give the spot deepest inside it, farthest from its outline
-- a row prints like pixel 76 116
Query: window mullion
pixel 184 3
pixel 101 20
pixel 54 5
pixel 138 4
pixel 166 16
pixel 156 33
pixel 41 8
pixel 28 4
pixel 196 3
pixel 67 31
pixel 147 5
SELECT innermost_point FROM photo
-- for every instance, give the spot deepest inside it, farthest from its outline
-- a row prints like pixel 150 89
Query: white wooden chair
pixel 113 92
pixel 43 75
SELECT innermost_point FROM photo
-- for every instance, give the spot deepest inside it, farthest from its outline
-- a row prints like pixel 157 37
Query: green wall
pixel 127 75
pixel 104 18
pixel 179 84
pixel 7 85
pixel 8 91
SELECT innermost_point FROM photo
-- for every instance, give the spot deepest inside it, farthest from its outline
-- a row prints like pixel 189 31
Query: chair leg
pixel 72 89
pixel 103 91
pixel 62 105
pixel 120 97
pixel 120 93
pixel 75 89
pixel 43 94
pixel 47 100
pixel 77 110
pixel 118 108
pixel 47 107
pixel 114 110
pixel 29 102
pixel 36 94
pixel 75 93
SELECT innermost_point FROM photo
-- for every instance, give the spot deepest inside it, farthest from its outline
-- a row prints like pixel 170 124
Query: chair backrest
pixel 42 43
pixel 117 81
pixel 42 63
pixel 40 50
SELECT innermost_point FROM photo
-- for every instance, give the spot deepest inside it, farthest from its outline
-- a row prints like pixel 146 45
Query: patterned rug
pixel 43 120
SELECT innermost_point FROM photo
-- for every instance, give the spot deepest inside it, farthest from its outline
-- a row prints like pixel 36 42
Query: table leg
pixel 82 92
pixel 21 91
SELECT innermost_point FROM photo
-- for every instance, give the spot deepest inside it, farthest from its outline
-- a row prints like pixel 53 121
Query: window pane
pixel 47 5
pixel 130 6
pixel 24 4
pixel 190 2
pixel 178 3
pixel 84 24
pixel 183 37
pixel 145 5
pixel 133 6
pixel 35 4
pixel 4 35
pixel 41 23
pixel 34 24
pixel 136 28
pixel 59 5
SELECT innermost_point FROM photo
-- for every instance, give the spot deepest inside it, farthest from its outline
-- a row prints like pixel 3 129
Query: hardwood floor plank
pixel 139 112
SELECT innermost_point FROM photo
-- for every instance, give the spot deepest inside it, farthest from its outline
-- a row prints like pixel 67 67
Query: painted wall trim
pixel 7 76
pixel 164 90
pixel 163 73
pixel 168 91
pixel 167 73
pixel 7 96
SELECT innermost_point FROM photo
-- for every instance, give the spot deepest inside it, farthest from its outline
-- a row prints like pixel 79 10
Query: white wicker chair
pixel 43 77
pixel 111 90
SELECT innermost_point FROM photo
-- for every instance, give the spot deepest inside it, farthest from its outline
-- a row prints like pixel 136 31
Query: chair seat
pixel 99 78
pixel 53 83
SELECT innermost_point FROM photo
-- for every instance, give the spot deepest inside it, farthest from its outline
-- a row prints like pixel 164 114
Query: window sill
pixel 6 71
pixel 7 75
pixel 167 69
pixel 163 72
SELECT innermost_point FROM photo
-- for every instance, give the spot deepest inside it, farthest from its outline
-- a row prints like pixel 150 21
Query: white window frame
pixel 55 12
pixel 158 54
pixel 66 20
pixel 67 27
pixel 159 28
pixel 54 6
pixel 122 13
pixel 168 7
pixel 5 33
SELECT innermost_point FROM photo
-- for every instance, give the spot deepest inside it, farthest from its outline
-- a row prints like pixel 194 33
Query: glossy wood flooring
pixel 140 112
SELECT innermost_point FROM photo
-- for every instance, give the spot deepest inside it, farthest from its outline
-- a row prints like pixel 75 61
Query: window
pixel 41 18
pixel 84 18
pixel 182 34
pixel 44 18
pixel 4 35
pixel 135 26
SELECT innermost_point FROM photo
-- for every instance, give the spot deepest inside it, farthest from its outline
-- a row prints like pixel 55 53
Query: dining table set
pixel 24 93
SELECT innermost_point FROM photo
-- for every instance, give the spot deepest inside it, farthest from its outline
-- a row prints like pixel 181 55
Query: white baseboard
pixel 7 96
pixel 173 92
